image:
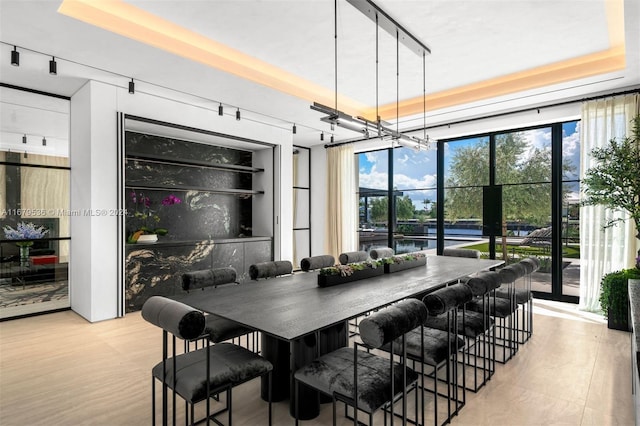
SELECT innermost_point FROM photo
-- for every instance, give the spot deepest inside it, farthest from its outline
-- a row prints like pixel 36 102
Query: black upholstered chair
pixel 440 347
pixel 362 379
pixel 197 375
pixel 461 252
pixel 503 310
pixel 531 265
pixel 217 329
pixel 520 290
pixel 480 331
pixel 437 349
pixel 317 262
pixel 270 269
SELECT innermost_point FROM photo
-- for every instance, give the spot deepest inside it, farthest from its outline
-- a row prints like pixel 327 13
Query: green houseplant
pixel 614 297
pixel 614 182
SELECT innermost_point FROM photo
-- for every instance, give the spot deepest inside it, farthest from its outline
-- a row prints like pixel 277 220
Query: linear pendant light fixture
pixel 359 124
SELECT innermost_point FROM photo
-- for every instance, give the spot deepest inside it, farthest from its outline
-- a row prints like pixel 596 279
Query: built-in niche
pixel 195 191
pixel 212 193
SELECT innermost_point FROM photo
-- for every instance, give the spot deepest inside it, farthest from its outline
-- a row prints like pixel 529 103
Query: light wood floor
pixel 58 369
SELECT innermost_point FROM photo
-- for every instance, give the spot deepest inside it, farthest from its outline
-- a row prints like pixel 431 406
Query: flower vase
pixel 147 239
pixel 24 254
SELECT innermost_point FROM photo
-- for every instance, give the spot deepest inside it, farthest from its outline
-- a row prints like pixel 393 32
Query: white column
pixel 93 269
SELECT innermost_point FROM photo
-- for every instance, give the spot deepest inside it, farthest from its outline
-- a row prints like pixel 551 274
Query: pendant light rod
pixel 390 25
pixel 335 51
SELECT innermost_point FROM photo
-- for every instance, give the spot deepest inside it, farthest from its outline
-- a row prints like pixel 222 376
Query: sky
pixel 416 170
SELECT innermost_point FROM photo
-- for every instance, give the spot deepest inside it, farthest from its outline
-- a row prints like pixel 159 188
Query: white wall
pixel 94 169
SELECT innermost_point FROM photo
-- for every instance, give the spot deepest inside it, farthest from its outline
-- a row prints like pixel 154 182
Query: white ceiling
pixel 472 41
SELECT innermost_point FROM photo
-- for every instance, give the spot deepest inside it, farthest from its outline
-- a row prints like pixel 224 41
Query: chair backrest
pixel 531 264
pixel 270 269
pixel 208 278
pixel 459 252
pixel 381 253
pixel 443 300
pixel 317 262
pixel 389 323
pixel 511 273
pixel 483 282
pixel 174 317
pixel 353 257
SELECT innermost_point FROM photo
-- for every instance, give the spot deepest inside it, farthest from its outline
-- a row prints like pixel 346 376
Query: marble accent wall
pixel 206 210
pixel 156 269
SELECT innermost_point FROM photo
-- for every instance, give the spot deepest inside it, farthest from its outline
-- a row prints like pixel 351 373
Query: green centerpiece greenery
pixel 350 268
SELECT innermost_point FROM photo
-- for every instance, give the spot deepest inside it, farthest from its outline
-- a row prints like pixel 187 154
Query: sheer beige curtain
pixel 342 202
pixel 603 250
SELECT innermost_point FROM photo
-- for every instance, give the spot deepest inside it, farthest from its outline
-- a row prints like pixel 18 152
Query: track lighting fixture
pixel 44 141
pixel 15 57
pixel 53 66
pixel 238 114
pixel 322 136
pixel 295 130
pixel 24 139
pixel 132 87
pixel 220 110
pixel 331 138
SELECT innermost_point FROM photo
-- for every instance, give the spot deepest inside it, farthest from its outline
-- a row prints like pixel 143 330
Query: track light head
pixel 295 130
pixel 238 114
pixel 53 66
pixel 322 136
pixel 331 138
pixel 24 139
pixel 220 110
pixel 44 141
pixel 132 87
pixel 15 57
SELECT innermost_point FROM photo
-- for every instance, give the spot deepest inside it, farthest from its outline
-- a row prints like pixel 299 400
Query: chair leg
pixel 153 401
pixel 297 401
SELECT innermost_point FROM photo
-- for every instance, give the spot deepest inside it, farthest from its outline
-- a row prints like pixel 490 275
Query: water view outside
pixel 522 168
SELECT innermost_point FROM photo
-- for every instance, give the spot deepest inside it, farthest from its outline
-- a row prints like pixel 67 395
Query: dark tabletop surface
pixel 292 306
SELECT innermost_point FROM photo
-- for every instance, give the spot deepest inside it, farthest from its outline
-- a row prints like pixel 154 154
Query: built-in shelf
pixel 156 159
pixel 247 192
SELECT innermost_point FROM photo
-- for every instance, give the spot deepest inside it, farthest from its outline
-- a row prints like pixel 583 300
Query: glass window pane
pixel 571 150
pixel 373 171
pixel 523 156
pixel 467 162
pixel 301 167
pixel 414 169
pixel 301 208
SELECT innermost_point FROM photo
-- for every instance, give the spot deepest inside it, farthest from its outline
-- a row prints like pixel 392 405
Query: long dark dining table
pixel 292 309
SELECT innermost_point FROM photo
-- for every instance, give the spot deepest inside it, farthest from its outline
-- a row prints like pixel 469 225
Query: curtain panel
pixel 342 202
pixel 603 250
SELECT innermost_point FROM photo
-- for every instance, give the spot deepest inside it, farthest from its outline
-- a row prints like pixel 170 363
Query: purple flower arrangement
pixel 24 231
pixel 145 218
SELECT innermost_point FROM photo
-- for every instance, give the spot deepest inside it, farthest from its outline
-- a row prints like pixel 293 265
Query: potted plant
pixel 614 297
pixel 144 219
pixel 404 261
pixel 340 274
pixel 614 182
